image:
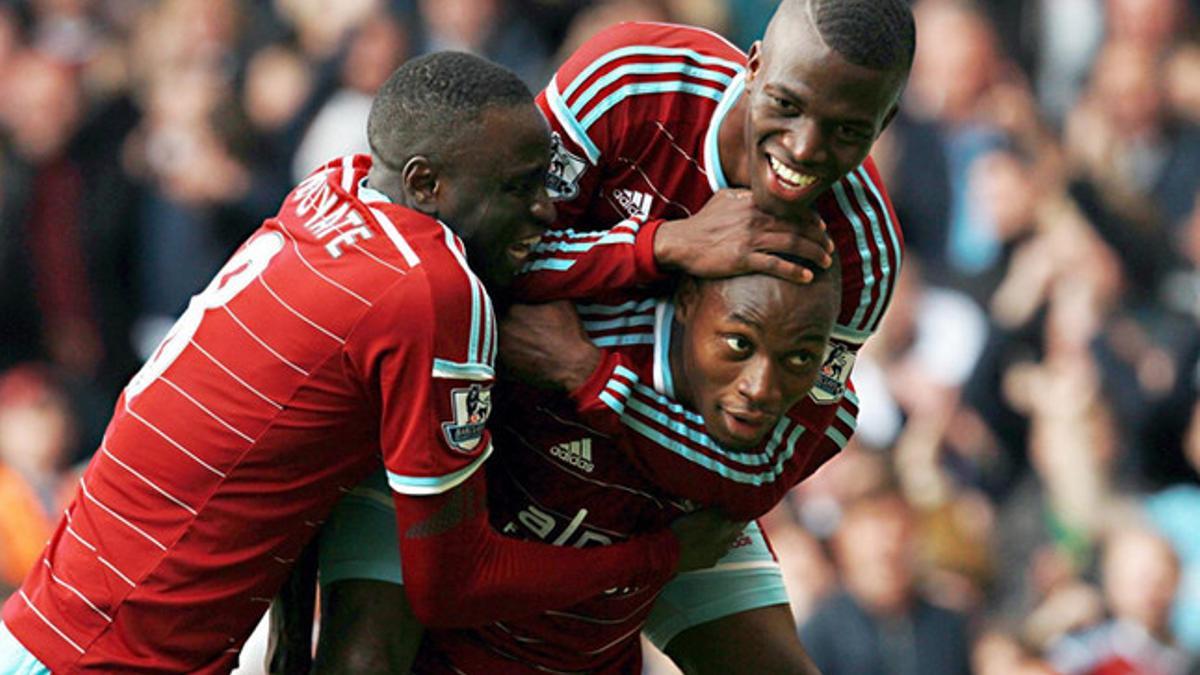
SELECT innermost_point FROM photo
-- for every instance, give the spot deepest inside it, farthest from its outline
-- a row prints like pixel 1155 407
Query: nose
pixel 760 385
pixel 806 142
pixel 543 209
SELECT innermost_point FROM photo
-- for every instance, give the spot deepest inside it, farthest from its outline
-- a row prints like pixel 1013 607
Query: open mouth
pixel 788 177
pixel 521 249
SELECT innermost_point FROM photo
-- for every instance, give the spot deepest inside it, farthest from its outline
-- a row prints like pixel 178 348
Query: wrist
pixel 666 249
pixel 578 369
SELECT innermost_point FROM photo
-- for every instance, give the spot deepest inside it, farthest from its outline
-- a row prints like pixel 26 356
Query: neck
pixel 731 142
pixel 387 182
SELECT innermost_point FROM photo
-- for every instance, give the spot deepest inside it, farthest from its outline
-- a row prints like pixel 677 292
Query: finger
pixel 766 263
pixel 791 244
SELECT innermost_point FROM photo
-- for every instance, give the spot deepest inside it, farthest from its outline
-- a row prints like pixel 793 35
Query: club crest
pixel 562 182
pixel 471 407
pixel 835 372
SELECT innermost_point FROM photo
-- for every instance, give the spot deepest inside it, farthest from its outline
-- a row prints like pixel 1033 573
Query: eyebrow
pixel 795 96
pixel 745 318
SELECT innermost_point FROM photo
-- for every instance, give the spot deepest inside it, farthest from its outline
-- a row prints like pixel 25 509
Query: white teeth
pixel 790 177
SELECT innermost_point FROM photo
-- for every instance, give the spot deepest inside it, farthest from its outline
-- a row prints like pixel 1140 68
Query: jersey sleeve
pixel 425 354
pixel 670 443
pixel 867 234
pixel 598 105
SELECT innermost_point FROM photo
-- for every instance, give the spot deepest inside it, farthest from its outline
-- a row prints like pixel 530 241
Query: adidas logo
pixel 636 204
pixel 576 453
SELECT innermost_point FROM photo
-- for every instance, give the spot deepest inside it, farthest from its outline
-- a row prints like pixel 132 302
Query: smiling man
pixel 347 332
pixel 651 125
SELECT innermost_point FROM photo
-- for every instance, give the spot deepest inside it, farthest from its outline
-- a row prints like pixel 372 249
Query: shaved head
pixel 875 34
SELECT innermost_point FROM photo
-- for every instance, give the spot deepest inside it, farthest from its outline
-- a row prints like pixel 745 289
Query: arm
pixel 579 256
pixel 432 385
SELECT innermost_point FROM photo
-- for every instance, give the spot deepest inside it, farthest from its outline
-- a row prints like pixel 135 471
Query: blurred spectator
pixel 1140 575
pixel 489 28
pixel 375 49
pixel 36 441
pixel 880 623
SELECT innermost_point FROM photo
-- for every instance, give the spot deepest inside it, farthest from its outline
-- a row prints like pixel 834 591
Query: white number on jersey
pixel 243 268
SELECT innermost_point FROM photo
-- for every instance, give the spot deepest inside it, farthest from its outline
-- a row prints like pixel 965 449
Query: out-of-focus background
pixel 1022 494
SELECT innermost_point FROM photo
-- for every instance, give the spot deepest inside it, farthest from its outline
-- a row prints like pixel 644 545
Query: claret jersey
pixel 346 331
pixel 635 115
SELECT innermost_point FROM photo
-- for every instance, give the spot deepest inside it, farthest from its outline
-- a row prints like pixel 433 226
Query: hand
pixel 545 345
pixel 704 538
pixel 730 236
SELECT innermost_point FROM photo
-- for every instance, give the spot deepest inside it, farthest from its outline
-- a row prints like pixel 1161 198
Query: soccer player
pixel 649 122
pixel 750 343
pixel 346 332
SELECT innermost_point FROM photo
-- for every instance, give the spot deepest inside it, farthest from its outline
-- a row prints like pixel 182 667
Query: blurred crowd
pixel 1023 491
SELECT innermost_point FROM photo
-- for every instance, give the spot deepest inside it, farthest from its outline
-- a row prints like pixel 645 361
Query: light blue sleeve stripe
pixel 626 373
pixel 892 229
pixel 837 437
pixel 673 406
pixel 612 402
pixel 632 305
pixel 571 125
pixel 570 233
pixel 847 334
pixel 619 387
pixel 567 246
pixel 450 370
pixel 645 50
pixel 852 397
pixel 642 88
pixel 749 459
pixel 616 238
pixel 709 463
pixel 864 251
pixel 432 485
pixel 687 69
pixel 552 264
pixel 845 416
pixel 623 322
pixel 885 262
pixel 619 340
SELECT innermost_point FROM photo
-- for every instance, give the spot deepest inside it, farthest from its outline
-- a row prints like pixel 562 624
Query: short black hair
pixel 875 34
pixel 428 100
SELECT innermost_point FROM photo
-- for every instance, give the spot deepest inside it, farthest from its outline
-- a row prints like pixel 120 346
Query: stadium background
pixel 1029 442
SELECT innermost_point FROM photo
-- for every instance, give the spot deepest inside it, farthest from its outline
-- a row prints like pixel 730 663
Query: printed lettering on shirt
pixel 566 168
pixel 635 204
pixel 546 527
pixel 835 372
pixel 471 407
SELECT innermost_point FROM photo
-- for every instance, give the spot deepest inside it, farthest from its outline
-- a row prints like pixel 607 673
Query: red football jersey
pixel 344 330
pixel 563 481
pixel 635 114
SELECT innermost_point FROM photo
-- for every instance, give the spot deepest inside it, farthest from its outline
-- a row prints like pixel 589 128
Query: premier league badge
pixel 562 182
pixel 835 372
pixel 471 408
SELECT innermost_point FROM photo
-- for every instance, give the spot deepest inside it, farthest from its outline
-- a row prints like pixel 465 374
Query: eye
pixel 738 344
pixel 783 104
pixel 800 360
pixel 852 134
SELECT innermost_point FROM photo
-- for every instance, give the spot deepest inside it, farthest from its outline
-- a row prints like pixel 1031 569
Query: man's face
pixel 493 190
pixel 752 347
pixel 812 116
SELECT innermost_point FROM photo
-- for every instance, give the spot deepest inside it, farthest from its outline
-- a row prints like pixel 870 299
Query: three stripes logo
pixel 636 204
pixel 576 453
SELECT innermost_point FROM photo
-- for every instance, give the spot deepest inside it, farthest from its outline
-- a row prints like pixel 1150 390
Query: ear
pixel 754 60
pixel 687 297
pixel 421 184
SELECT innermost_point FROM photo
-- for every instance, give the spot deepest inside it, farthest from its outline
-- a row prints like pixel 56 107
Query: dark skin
pixel 817 115
pixel 496 202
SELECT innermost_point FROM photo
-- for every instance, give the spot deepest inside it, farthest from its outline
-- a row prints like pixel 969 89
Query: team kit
pixel 532 397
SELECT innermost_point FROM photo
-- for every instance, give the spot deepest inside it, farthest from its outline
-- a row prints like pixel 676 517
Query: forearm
pixel 570 265
pixel 458 571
